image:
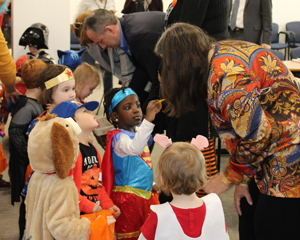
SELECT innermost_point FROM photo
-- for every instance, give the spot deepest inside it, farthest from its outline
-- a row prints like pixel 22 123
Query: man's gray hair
pixel 98 20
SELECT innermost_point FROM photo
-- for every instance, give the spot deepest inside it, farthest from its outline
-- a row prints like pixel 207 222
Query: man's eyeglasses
pixel 77 25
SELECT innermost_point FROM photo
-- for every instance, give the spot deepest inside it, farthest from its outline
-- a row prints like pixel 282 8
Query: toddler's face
pixel 85 119
pixel 129 113
pixel 64 92
pixel 86 90
pixel 33 50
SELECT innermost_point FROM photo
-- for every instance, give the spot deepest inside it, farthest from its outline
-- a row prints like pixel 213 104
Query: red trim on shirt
pixel 191 221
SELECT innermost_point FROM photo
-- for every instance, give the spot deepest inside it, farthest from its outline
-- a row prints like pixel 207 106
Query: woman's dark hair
pixel 107 103
pixel 184 50
pixel 51 71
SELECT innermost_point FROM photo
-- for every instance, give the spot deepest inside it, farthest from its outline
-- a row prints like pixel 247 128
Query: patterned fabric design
pixel 255 106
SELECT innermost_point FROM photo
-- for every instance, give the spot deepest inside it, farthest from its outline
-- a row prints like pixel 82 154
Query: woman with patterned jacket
pixel 254 103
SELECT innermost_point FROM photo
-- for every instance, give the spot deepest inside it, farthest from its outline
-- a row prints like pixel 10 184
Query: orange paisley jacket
pixel 254 102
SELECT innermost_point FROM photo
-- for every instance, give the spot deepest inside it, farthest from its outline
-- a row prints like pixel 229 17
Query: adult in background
pixel 86 5
pixel 251 21
pixel 115 60
pixel 254 103
pixel 136 34
pixel 212 17
pixel 130 6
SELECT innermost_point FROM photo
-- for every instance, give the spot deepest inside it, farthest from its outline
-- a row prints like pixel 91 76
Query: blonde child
pixel 87 172
pixel 181 172
pixel 127 166
pixel 87 79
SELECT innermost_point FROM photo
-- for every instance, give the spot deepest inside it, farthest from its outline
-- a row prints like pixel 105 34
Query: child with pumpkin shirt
pixel 87 172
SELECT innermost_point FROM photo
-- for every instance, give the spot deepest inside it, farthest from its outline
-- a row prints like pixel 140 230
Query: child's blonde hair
pixel 181 169
pixel 86 74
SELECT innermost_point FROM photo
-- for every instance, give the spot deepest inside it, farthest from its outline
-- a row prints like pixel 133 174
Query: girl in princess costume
pixel 127 166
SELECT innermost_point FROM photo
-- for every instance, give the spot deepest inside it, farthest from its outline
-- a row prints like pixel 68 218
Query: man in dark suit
pixel 137 35
pixel 251 21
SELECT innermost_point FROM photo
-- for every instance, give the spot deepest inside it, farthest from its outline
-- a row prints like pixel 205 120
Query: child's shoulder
pixel 116 133
pixel 212 197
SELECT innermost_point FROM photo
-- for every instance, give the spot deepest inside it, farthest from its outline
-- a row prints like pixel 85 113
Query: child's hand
pixel 97 208
pixel 152 109
pixel 48 106
pixel 155 188
pixel 116 210
pixel 18 79
pixel 110 220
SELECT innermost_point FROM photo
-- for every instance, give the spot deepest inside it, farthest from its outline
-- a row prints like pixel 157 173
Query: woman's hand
pixel 239 193
pixel 216 185
pixel 11 93
pixel 266 46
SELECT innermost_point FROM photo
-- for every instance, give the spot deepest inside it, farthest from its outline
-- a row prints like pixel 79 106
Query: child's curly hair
pixel 31 71
pixel 107 103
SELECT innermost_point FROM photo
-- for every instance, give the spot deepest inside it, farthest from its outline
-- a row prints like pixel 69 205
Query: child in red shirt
pixel 181 172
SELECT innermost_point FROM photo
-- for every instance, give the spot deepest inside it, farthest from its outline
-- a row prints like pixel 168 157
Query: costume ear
pixel 162 140
pixel 200 142
pixel 81 52
pixel 62 150
pixel 60 53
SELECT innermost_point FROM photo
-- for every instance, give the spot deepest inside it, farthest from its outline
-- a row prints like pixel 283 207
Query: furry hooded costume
pixel 52 209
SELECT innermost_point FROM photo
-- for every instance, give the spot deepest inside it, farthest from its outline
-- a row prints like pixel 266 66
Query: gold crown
pixel 66 75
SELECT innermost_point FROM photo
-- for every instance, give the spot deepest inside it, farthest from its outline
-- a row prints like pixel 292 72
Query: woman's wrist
pixel 226 181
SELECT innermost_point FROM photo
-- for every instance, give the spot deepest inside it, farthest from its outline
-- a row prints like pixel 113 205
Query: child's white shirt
pixel 125 146
pixel 168 226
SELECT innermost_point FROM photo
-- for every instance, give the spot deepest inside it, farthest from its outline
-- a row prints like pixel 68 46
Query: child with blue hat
pixel 87 172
